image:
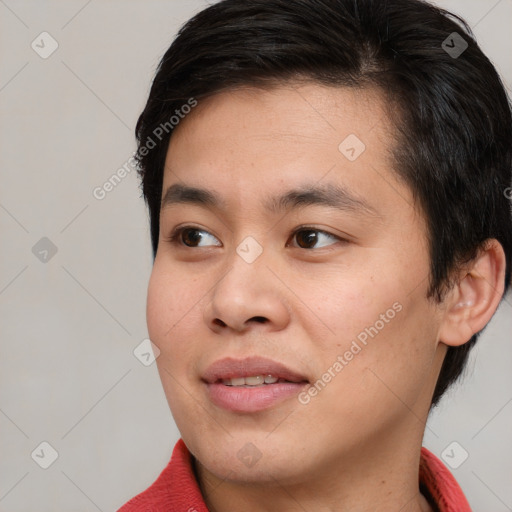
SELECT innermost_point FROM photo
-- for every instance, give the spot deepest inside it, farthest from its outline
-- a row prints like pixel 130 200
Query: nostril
pixel 217 321
pixel 259 319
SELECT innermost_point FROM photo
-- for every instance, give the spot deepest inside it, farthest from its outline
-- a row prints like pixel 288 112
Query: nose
pixel 249 295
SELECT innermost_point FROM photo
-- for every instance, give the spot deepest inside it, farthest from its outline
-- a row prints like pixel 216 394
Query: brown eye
pixel 313 238
pixel 193 237
pixel 306 238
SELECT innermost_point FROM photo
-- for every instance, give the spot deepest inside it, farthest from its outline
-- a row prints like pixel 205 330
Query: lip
pixel 254 398
pixel 229 367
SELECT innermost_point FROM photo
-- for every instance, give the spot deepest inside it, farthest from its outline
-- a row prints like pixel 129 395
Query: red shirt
pixel 177 490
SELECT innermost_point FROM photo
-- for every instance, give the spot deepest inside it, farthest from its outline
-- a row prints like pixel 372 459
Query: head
pixel 364 103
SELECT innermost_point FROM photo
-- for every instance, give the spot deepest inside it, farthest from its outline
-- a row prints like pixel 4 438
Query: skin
pixel 356 444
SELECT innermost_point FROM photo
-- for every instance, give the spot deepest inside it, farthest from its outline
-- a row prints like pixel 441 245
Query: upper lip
pixel 228 368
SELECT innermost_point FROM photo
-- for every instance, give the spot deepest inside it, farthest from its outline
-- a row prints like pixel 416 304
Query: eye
pixel 193 237
pixel 306 238
pixel 310 238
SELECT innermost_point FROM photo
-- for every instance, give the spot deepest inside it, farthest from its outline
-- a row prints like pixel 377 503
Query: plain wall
pixel 69 325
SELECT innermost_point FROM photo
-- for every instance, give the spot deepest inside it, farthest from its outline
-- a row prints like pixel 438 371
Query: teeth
pixel 256 380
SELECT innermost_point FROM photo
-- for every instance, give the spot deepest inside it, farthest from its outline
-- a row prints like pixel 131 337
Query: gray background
pixel 70 324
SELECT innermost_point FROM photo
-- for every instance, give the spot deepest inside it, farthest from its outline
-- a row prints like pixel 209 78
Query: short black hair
pixel 453 121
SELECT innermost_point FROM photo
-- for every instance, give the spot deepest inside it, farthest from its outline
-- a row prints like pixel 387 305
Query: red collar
pixel 177 490
pixel 440 484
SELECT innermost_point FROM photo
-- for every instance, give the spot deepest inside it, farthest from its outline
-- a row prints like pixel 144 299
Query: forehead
pixel 293 112
pixel 252 141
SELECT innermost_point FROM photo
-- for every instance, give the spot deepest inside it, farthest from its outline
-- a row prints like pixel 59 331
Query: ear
pixel 472 302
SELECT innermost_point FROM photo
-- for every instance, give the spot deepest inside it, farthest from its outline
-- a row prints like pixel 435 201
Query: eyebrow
pixel 334 196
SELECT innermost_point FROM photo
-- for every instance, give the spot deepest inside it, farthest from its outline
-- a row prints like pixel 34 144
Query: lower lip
pixel 252 399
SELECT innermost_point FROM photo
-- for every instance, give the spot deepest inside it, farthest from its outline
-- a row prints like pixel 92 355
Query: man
pixel 327 187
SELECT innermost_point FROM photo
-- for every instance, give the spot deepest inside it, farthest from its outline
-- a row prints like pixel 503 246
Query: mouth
pixel 256 380
pixel 252 384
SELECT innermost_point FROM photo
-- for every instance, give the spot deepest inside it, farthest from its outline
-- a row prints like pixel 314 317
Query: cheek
pixel 161 306
pixel 380 297
pixel 350 305
pixel 383 333
pixel 173 308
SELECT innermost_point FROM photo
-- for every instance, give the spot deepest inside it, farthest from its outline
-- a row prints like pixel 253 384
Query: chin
pixel 249 458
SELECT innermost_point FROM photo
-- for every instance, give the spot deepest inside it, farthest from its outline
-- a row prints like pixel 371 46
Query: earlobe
pixel 472 302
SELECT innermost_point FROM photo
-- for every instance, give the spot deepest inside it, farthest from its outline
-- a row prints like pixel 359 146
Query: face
pixel 300 258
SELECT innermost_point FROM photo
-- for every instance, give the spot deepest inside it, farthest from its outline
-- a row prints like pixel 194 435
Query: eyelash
pixel 175 239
